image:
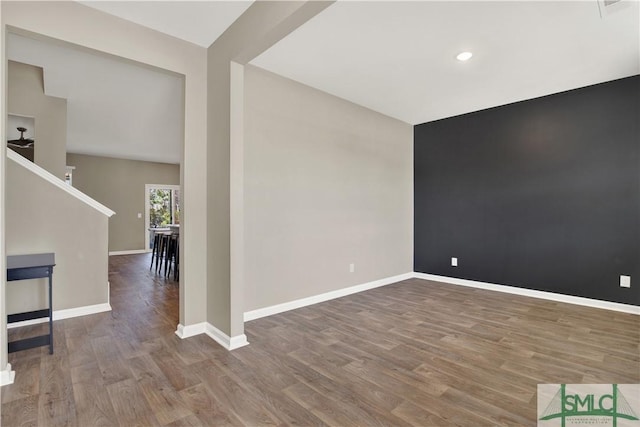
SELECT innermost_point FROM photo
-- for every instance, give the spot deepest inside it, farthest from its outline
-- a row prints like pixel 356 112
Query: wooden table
pixel 24 267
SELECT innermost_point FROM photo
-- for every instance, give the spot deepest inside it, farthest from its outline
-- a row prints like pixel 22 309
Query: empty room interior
pixel 325 213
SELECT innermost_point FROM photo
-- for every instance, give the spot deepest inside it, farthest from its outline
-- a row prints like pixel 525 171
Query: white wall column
pixel 6 374
pixel 261 26
pixel 236 201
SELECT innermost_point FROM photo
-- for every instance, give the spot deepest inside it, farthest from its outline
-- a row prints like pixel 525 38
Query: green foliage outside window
pixel 160 203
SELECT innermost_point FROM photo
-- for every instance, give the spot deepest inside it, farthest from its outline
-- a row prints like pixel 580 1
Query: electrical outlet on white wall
pixel 625 281
pixel 454 261
pixel 352 268
pixel 139 215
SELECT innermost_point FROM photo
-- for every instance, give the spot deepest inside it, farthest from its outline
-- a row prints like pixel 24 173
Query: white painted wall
pixel 26 98
pixel 5 370
pixel 327 184
pixel 40 218
pixel 124 192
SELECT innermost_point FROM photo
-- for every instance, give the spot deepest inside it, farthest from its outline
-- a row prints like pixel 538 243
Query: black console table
pixel 36 266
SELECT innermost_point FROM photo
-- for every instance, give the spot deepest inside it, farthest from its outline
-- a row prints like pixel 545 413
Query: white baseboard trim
pixel 551 296
pixel 303 302
pixel 7 376
pixel 230 343
pixel 65 314
pixel 81 311
pixel 190 330
pixel 131 252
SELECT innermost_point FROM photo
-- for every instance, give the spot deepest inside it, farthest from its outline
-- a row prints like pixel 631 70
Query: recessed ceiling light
pixel 464 56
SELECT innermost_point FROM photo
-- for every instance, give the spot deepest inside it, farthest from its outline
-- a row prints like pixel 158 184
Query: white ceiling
pixel 398 58
pixel 114 108
pixel 199 22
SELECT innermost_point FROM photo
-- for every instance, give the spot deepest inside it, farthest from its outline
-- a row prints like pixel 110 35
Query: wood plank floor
pixel 412 353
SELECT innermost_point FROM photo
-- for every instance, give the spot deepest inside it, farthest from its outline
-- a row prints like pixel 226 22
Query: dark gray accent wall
pixel 542 194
